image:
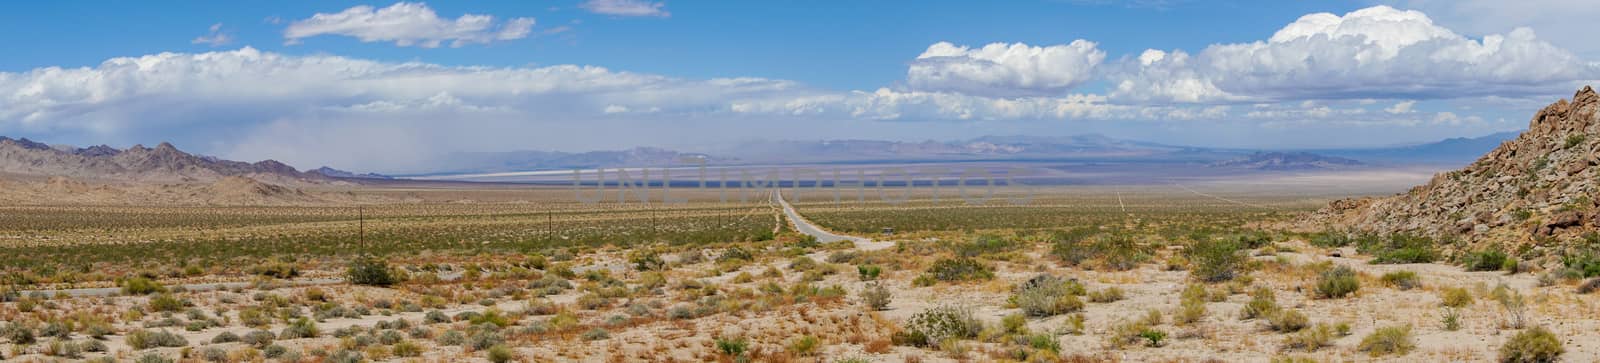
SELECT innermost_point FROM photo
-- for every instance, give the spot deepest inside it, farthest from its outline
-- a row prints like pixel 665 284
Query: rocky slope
pixel 1539 188
pixel 163 163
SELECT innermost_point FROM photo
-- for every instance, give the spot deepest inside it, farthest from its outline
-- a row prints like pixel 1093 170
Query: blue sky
pixel 388 86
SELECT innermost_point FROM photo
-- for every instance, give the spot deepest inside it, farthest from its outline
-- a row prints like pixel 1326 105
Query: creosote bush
pixel 370 271
pixel 1403 280
pixel 1337 282
pixel 1213 260
pixel 1388 340
pixel 1047 295
pixel 1535 345
pixel 960 269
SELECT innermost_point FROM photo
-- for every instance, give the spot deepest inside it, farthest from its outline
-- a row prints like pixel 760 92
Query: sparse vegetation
pixel 1536 344
pixel 1391 340
pixel 1337 282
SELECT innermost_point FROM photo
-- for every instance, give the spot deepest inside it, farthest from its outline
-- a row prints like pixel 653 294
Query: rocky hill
pixel 1540 188
pixel 1287 161
pixel 163 163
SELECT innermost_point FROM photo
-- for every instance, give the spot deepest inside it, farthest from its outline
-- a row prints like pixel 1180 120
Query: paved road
pixel 805 226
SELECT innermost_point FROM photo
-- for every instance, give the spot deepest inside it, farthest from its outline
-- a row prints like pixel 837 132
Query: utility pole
pixel 361 218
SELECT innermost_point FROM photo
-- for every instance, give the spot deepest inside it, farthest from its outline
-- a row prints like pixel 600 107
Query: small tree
pixel 370 271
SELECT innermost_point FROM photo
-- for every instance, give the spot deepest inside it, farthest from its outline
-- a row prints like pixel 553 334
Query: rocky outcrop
pixel 1540 187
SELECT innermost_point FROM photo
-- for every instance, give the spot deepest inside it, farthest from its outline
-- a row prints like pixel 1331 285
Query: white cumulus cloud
pixel 408 24
pixel 1001 69
pixel 1377 52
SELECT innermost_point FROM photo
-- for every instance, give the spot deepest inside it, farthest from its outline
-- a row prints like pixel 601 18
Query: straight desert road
pixel 805 226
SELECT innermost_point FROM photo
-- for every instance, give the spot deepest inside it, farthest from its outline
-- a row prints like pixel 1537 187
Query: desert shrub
pixel 214 354
pixel 1116 251
pixel 139 285
pixel 146 339
pixel 1213 260
pixel 1452 320
pixel 1403 280
pixel 165 302
pixel 407 349
pixel 875 296
pixel 940 323
pixel 983 245
pixel 18 333
pixel 258 338
pixel 804 346
pixel 1262 304
pixel 1535 345
pixel 1330 239
pixel 732 347
pixel 1337 282
pixel 869 272
pixel 1456 297
pixel 370 271
pixel 500 354
pixel 1388 340
pixel 646 260
pixel 960 269
pixel 153 358
pixel 225 337
pixel 1109 294
pixel 596 334
pixel 300 328
pixel 1287 321
pixel 1047 295
pixel 1127 333
pixel 1189 312
pixel 1398 248
pixel 1486 260
pixel 734 254
pixel 1310 339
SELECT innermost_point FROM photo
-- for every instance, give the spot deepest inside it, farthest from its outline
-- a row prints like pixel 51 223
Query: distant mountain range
pixel 165 163
pixel 1278 160
pixel 1459 150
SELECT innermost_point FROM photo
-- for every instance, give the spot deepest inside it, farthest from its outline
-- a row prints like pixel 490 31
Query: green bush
pixel 1047 295
pixel 869 272
pixel 1535 345
pixel 370 271
pixel 1398 248
pixel 166 302
pixel 1388 340
pixel 141 286
pixel 1330 239
pixel 732 347
pixel 983 245
pixel 1337 282
pixel 1215 260
pixel 960 269
pixel 1116 251
pixel 300 328
pixel 1487 260
pixel 1403 280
